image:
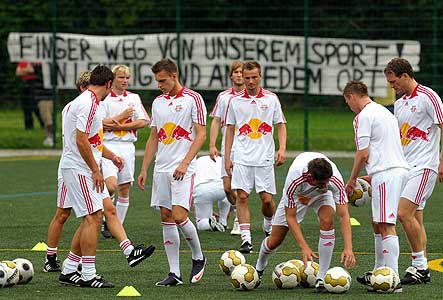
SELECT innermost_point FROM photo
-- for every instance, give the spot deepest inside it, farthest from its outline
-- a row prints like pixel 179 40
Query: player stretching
pixel 313 181
pixel 420 117
pixel 178 130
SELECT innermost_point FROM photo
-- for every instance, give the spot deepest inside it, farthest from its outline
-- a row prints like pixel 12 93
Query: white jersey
pixel 375 127
pixel 418 117
pixel 207 170
pixel 114 105
pixel 254 117
pixel 298 191
pixel 174 118
pixel 64 111
pixel 220 110
pixel 83 114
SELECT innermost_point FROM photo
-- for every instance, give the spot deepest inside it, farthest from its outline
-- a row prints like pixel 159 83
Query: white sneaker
pixel 236 229
pixel 48 141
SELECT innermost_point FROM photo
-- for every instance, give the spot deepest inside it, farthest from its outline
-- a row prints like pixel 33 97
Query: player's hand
pixel 99 182
pixel 141 180
pixel 280 157
pixel 228 166
pixel 118 162
pixel 180 172
pixel 213 152
pixel 127 113
pixel 115 125
pixel 349 187
pixel 347 258
pixel 307 255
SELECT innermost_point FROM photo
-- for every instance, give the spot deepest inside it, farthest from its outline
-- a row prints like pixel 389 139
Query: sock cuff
pixel 388 237
pixel 184 222
pixel 125 244
pixel 245 226
pixel 74 257
pixel 327 234
pixel 88 259
pixel 123 200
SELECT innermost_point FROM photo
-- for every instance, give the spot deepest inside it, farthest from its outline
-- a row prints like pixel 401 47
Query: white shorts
pixel 205 195
pixel 419 186
pixel 63 201
pixel 315 203
pixel 166 191
pixel 126 151
pixel 84 198
pixel 386 191
pixel 243 178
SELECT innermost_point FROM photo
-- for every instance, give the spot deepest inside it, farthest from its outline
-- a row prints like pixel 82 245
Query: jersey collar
pixel 179 94
pixel 113 94
pixel 413 94
pixel 259 95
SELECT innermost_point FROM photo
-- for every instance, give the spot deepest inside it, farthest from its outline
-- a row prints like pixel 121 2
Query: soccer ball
pixel 296 262
pixel 309 274
pixel 229 260
pixel 384 280
pixel 3 276
pixel 25 270
pixel 244 277
pixel 286 276
pixel 362 193
pixel 337 280
pixel 11 273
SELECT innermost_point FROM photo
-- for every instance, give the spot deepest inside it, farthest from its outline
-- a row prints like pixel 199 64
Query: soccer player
pixel 420 117
pixel 124 115
pixel 313 181
pixel 253 113
pixel 377 139
pixel 178 130
pixel 218 114
pixel 208 188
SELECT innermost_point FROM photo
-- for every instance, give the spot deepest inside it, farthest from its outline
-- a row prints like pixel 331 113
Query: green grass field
pixel 28 199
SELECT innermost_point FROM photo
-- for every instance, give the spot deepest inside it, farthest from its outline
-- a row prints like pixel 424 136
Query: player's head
pixel 82 81
pixel 166 75
pixel 102 76
pixel 353 92
pixel 122 74
pixel 400 76
pixel 236 73
pixel 319 172
pixel 251 74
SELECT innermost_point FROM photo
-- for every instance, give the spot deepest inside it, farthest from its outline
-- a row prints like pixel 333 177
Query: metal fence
pixel 309 49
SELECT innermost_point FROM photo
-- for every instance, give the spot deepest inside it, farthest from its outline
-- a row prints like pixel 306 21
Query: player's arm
pixel 440 166
pixel 150 150
pixel 297 234
pixel 134 125
pixel 213 134
pixel 361 156
pixel 113 123
pixel 116 160
pixel 85 151
pixel 199 140
pixel 347 256
pixel 229 139
pixel 281 154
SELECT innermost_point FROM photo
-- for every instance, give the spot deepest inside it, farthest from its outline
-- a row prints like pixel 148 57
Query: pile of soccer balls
pixel 18 271
pixel 243 276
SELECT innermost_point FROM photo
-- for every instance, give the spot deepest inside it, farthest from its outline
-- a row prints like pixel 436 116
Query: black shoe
pixel 320 286
pixel 73 278
pixel 198 268
pixel 105 231
pixel 415 276
pixel 52 264
pixel 245 248
pixel 365 279
pixel 216 225
pixel 170 280
pixel 260 277
pixel 96 282
pixel 139 254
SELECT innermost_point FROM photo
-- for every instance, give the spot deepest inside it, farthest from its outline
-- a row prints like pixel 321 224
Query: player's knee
pixel 326 224
pixel 273 243
pixel 62 218
pixel 242 198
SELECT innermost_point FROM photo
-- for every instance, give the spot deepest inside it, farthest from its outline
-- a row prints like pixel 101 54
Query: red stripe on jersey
pixel 85 192
pixel 422 186
pixel 435 102
pixel 199 102
pixel 356 131
pixel 218 99
pixel 227 110
pixel 291 190
pixel 339 184
pixel 92 111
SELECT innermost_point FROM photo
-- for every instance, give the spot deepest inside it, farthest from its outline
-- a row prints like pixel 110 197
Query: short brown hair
pixel 101 75
pixel 251 65
pixel 83 80
pixel 355 87
pixel 399 66
pixel 234 66
pixel 320 169
pixel 165 64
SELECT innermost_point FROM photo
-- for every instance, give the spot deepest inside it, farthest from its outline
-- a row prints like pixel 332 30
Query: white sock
pixel 264 255
pixel 88 269
pixel 122 208
pixel 171 242
pixel 203 224
pixel 71 263
pixel 391 251
pixel 378 246
pixel 326 244
pixel 190 233
pixel 223 208
pixel 245 229
pixel 419 260
pixel 126 247
pixel 267 224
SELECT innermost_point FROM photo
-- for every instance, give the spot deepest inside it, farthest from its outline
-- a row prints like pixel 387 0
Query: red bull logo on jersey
pixel 255 129
pixel 96 141
pixel 171 132
pixel 410 133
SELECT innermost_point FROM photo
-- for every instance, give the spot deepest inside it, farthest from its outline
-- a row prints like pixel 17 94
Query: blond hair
pixel 121 68
pixel 82 81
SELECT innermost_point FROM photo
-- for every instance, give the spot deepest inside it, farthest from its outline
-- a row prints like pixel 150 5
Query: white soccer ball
pixel 286 275
pixel 384 280
pixel 3 276
pixel 244 277
pixel 337 280
pixel 229 260
pixel 25 270
pixel 362 193
pixel 12 275
pixel 309 274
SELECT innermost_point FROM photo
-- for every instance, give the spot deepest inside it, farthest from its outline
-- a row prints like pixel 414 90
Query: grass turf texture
pixel 28 202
